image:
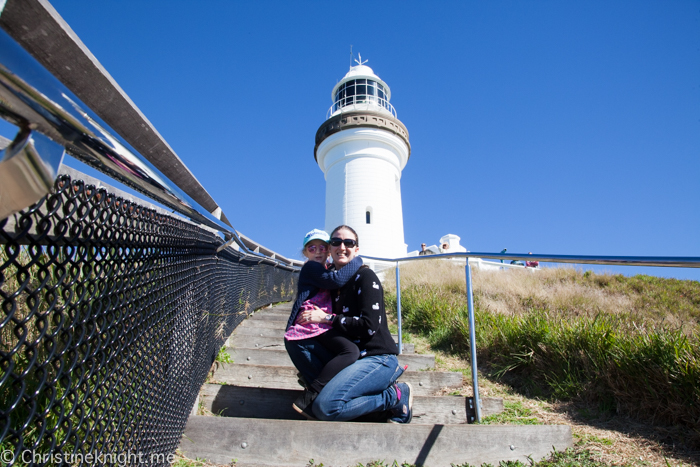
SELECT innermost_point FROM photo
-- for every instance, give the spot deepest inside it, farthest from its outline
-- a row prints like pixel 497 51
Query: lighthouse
pixel 362 147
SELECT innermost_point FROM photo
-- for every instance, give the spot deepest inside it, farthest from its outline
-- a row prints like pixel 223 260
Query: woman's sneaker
pixel 304 402
pixel 402 412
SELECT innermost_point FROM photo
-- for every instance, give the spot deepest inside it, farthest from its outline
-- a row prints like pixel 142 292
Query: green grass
pixel 646 370
pixel 570 458
pixel 630 344
pixel 223 356
pixel 587 438
pixel 514 413
pixel 652 296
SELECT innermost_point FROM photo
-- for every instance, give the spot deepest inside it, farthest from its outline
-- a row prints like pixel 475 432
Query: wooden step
pixel 278 306
pixel 271 315
pixel 265 342
pixel 236 401
pixel 425 383
pixel 291 443
pixel 262 323
pixel 262 332
pixel 248 356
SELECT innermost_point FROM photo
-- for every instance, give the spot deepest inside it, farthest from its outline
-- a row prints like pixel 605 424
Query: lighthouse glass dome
pixel 361 89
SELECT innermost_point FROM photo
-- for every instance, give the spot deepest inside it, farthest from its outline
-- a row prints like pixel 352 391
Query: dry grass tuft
pixel 554 288
pixel 644 300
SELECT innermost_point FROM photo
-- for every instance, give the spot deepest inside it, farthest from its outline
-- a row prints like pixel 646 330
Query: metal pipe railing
pixel 398 306
pixel 472 341
pixel 663 261
pixel 39 104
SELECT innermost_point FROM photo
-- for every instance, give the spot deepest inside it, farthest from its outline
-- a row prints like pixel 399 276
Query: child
pixel 302 334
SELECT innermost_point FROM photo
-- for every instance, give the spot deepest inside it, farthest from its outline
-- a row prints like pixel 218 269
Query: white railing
pixel 361 102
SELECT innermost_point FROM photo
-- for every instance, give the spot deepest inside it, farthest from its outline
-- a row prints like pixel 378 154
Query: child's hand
pixel 316 315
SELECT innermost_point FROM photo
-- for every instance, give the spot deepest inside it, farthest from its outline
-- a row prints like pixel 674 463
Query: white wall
pixel 453 245
pixel 362 167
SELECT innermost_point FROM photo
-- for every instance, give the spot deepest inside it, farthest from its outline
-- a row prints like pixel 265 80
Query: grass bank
pixel 629 344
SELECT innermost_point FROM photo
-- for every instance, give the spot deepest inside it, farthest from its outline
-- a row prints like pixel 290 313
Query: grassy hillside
pixel 631 344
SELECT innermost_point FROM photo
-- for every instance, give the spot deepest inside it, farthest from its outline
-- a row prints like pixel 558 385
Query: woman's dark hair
pixel 340 227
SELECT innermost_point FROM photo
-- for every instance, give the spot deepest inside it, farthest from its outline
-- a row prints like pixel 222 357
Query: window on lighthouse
pixel 368 215
pixel 359 91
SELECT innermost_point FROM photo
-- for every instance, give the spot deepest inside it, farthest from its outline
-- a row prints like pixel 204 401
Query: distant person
pixel 424 251
pixel 532 264
pixel 444 247
pixel 314 293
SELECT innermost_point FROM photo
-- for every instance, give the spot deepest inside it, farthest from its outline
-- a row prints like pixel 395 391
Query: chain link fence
pixel 112 315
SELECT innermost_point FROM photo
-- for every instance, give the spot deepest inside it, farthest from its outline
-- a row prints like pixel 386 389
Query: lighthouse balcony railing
pixel 113 304
pixel 476 259
pixel 361 102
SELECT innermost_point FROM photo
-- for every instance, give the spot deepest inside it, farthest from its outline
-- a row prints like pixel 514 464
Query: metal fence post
pixel 472 341
pixel 398 305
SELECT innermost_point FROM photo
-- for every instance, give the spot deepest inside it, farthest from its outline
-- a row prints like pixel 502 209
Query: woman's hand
pixel 316 315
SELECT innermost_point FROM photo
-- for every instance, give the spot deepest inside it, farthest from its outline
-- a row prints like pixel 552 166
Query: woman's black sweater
pixel 360 316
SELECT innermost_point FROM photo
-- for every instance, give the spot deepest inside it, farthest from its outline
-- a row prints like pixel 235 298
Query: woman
pixel 369 384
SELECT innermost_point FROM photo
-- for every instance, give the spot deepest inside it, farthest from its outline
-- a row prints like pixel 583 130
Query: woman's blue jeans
pixel 364 387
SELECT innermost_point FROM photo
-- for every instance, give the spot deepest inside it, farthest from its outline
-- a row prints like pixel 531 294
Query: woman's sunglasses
pixel 321 248
pixel 348 242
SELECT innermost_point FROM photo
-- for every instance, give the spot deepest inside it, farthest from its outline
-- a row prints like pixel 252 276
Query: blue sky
pixel 551 127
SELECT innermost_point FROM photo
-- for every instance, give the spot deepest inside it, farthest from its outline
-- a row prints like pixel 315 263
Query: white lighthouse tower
pixel 362 148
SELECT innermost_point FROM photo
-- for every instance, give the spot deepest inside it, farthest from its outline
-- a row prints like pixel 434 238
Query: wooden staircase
pixel 257 426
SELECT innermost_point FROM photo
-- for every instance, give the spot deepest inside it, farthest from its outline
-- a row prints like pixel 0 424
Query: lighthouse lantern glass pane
pixel 359 91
